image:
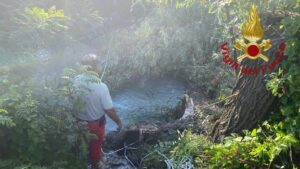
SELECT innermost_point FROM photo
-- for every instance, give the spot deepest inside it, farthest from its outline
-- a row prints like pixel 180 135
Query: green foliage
pixel 32 26
pixel 40 27
pixel 177 153
pixel 175 38
pixel 15 164
pixel 5 120
pixel 285 83
pixel 37 123
pixel 274 143
pixel 259 148
pixel 168 42
pixel 38 18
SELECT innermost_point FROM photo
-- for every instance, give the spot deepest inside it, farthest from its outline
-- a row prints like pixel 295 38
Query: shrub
pixel 38 125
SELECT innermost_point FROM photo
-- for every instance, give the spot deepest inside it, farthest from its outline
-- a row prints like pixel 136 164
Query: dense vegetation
pixel 161 38
pixel 273 144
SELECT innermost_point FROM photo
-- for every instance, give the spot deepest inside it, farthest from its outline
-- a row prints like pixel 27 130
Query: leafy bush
pixel 285 83
pixel 260 148
pixel 177 39
pixel 168 42
pixel 274 144
pixel 38 124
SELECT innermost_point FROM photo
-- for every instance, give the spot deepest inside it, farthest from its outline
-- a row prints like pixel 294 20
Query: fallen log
pixel 151 131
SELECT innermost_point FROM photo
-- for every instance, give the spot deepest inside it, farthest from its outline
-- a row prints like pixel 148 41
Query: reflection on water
pixel 147 100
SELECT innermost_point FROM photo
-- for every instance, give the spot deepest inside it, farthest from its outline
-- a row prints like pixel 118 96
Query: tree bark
pixel 252 101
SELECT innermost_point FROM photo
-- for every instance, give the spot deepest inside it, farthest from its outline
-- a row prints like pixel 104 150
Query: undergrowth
pixel 273 144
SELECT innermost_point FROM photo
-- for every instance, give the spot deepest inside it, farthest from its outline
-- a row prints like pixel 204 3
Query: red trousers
pixel 98 128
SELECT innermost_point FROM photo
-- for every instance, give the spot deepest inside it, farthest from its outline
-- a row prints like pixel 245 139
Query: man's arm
pixel 108 105
pixel 112 113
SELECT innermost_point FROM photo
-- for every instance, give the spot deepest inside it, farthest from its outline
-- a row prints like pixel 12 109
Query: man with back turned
pixel 96 103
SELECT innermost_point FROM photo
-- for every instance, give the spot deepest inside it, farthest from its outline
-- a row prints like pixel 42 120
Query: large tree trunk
pixel 252 101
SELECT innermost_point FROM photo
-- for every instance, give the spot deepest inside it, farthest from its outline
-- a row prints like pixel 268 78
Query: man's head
pixel 92 61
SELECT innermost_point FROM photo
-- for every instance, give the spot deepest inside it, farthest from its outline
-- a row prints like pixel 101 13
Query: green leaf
pixel 253 133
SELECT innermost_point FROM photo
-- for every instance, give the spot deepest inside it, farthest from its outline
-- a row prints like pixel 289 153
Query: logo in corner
pixel 253 32
pixel 252 47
